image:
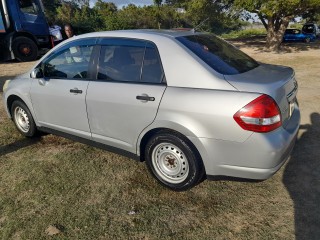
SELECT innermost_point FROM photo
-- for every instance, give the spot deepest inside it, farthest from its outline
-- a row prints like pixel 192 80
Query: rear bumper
pixel 254 173
pixel 259 157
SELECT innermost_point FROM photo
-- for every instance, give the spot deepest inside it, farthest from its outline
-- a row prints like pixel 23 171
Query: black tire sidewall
pixel 33 130
pixel 196 170
pixel 19 56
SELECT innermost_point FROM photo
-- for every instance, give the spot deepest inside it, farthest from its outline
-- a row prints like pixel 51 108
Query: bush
pixel 245 33
pixel 296 25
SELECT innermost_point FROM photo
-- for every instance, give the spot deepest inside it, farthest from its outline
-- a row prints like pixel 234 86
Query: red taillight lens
pixel 260 115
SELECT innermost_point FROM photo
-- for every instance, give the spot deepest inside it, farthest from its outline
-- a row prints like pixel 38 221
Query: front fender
pixel 19 88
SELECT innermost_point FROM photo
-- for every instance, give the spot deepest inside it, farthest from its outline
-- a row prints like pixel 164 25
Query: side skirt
pixel 90 142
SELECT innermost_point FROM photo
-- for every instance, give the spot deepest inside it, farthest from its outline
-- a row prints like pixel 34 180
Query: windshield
pixel 218 54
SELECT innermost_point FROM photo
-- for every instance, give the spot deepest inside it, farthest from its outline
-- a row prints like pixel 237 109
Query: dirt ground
pixel 300 185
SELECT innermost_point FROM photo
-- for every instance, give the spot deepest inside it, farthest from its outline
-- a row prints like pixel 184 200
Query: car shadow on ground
pixel 22 143
pixel 302 180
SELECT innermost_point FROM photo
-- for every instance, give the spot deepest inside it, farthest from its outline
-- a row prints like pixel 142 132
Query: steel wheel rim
pixel 21 119
pixel 170 163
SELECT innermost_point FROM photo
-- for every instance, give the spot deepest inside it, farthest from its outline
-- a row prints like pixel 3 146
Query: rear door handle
pixel 145 98
pixel 76 91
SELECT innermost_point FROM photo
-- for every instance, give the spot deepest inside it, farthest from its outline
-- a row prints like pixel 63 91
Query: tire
pixel 173 162
pixel 23 119
pixel 24 49
pixel 307 40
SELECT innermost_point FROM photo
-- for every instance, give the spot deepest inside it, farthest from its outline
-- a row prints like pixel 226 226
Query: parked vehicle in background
pixel 189 104
pixel 23 30
pixel 295 35
pixel 311 28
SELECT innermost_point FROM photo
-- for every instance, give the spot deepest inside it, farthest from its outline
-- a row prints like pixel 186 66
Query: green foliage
pixel 157 2
pixel 207 15
pixel 51 9
pixel 246 33
pixel 296 25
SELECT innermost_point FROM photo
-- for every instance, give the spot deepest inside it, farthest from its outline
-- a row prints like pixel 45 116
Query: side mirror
pixel 36 73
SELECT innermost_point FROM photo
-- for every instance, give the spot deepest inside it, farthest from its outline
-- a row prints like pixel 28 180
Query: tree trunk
pixel 275 32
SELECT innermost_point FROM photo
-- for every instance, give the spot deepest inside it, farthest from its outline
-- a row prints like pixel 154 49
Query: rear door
pixel 59 98
pixel 126 95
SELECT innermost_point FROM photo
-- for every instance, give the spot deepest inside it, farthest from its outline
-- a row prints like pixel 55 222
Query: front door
pixel 59 99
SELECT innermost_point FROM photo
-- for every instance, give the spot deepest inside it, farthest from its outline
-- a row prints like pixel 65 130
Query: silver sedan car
pixel 189 104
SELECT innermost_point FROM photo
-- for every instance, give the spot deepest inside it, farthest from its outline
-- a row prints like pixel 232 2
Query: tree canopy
pixel 218 16
pixel 212 16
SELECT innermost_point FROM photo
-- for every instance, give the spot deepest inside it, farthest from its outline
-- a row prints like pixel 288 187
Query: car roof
pixel 143 33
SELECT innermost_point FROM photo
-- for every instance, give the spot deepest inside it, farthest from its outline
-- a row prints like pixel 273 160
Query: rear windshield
pixel 308 28
pixel 218 54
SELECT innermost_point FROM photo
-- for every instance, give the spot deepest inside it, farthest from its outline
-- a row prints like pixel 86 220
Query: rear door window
pixel 218 54
pixel 152 68
pixel 121 62
pixel 129 60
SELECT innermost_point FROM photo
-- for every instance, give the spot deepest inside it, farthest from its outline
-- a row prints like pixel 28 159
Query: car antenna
pixel 199 25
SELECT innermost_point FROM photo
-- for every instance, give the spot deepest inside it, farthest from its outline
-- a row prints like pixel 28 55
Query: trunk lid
pixel 276 81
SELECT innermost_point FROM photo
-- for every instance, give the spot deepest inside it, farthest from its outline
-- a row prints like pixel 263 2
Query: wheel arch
pixel 152 132
pixel 10 101
pixel 27 35
pixel 13 97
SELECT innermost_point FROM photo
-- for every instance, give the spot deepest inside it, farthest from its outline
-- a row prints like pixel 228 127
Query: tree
pixel 157 2
pixel 175 3
pixel 66 12
pixel 105 7
pixel 276 15
pixel 51 9
pixel 209 15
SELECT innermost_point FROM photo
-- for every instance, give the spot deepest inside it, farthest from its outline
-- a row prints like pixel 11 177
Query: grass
pixel 89 193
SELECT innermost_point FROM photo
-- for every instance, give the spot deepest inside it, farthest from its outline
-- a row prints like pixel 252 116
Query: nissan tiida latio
pixel 188 104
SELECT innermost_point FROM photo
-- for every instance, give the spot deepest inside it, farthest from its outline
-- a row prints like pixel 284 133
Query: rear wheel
pixel 173 162
pixel 23 119
pixel 307 40
pixel 24 49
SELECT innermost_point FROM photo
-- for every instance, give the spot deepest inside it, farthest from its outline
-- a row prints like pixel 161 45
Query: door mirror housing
pixel 36 73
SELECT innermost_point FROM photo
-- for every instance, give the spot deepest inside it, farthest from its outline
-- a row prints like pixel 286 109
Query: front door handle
pixel 145 98
pixel 76 91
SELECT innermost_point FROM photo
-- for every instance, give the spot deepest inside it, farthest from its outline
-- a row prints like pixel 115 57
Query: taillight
pixel 260 115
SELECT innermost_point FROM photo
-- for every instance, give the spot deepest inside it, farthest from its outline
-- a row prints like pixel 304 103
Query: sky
pixel 121 3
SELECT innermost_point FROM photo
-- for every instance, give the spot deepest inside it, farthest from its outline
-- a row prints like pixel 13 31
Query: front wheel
pixel 307 40
pixel 23 119
pixel 173 162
